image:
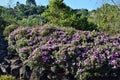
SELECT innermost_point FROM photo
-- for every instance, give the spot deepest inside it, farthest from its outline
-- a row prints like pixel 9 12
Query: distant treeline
pixel 57 13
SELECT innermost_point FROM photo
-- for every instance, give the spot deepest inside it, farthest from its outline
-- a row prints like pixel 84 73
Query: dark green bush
pixel 3 23
pixel 9 29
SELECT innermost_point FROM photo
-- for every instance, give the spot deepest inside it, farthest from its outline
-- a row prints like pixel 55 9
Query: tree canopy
pixel 31 2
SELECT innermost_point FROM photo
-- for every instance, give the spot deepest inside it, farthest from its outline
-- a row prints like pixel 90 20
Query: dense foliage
pixel 79 48
pixel 107 18
pixel 21 14
pixel 58 13
pixel 31 2
pixel 79 53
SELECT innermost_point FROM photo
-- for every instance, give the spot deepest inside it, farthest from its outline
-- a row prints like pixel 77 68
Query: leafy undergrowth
pixel 82 54
pixel 7 77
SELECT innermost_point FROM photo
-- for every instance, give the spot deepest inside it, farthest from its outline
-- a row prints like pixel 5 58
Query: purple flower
pixel 113 62
pixel 31 43
pixel 35 50
pixel 38 38
pixel 49 48
pixel 44 58
pixel 73 64
pixel 63 40
pixel 76 50
pixel 51 41
pixel 80 71
pixel 114 56
pixel 107 51
pixel 115 42
pixel 79 52
pixel 44 52
pixel 93 57
pixel 23 50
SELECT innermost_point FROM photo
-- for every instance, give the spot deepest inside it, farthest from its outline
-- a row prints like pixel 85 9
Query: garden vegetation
pixel 71 44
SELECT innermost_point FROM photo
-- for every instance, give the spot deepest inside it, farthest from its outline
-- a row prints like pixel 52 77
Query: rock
pixel 46 75
pixel 16 64
pixel 3 68
pixel 25 72
pixel 70 76
pixel 35 75
pixel 103 78
pixel 11 56
pixel 6 64
pixel 3 53
pixel 6 69
pixel 15 71
pixel 60 73
pixel 1 73
pixel 3 48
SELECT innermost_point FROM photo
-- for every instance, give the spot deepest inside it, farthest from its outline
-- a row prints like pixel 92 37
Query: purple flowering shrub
pixel 81 54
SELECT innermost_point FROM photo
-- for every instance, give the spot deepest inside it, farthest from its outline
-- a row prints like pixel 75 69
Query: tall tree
pixel 57 11
pixel 31 2
pixel 115 2
pixel 107 18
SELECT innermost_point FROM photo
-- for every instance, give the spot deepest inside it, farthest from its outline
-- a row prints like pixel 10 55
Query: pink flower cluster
pixel 77 53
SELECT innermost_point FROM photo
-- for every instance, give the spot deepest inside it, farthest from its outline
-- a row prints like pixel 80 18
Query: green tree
pixel 58 13
pixel 107 18
pixel 31 2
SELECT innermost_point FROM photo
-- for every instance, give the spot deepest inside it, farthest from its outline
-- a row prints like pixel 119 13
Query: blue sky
pixel 75 4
